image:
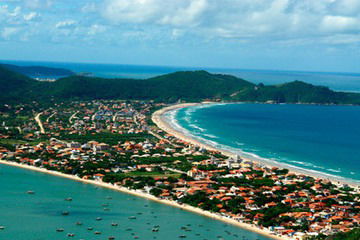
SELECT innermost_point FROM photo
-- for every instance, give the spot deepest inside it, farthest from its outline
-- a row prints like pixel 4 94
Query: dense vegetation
pixel 351 235
pixel 188 86
pixel 38 70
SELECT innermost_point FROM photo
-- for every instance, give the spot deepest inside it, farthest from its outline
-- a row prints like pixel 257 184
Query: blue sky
pixel 313 35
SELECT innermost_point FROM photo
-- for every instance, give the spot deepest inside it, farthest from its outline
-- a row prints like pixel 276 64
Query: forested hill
pixel 188 86
pixel 38 71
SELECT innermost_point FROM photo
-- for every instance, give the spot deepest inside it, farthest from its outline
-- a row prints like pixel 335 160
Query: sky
pixel 310 35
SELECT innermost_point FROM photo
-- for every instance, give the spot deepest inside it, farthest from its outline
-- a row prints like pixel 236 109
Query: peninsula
pixel 190 86
pixel 123 145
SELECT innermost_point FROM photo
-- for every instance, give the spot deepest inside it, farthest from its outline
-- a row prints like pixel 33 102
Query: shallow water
pixel 37 216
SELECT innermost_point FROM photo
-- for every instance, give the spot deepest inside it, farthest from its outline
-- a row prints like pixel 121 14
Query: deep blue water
pixel 37 216
pixel 336 81
pixel 320 138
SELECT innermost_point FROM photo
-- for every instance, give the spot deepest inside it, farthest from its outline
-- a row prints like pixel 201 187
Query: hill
pixel 186 85
pixel 12 84
pixel 191 86
pixel 296 92
pixel 38 71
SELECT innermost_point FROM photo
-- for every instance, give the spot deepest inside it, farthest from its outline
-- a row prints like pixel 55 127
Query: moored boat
pixel 65 213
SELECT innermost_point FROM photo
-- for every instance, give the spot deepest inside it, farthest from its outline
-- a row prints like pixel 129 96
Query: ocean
pixel 334 80
pixel 38 216
pixel 318 138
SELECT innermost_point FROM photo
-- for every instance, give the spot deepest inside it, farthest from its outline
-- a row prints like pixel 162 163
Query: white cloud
pixel 246 19
pixel 340 23
pixel 8 32
pixel 38 4
pixel 174 12
pixel 31 16
pixel 66 24
pixel 291 21
pixel 96 29
pixel 89 8
pixel 16 12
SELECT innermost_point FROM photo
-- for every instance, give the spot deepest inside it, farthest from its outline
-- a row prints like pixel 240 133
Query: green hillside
pixel 192 85
pixel 38 70
pixel 296 92
pixel 13 85
pixel 187 85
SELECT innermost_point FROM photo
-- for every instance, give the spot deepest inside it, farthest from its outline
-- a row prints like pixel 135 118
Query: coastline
pixel 160 121
pixel 185 207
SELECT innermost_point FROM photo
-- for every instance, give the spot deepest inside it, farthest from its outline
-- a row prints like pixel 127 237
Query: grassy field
pixel 17 141
pixel 11 141
pixel 152 174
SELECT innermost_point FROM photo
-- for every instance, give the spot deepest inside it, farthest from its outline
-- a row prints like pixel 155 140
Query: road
pixel 37 119
pixel 72 116
pixel 47 120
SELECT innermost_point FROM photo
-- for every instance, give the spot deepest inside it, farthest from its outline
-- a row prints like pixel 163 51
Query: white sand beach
pixel 185 207
pixel 159 119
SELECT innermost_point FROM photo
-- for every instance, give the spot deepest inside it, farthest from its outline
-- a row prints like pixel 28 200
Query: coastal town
pixel 118 143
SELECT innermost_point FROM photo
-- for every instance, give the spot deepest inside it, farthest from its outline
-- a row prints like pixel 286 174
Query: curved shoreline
pixel 185 207
pixel 160 121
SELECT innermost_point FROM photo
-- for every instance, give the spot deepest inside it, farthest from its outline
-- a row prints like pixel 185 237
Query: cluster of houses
pixel 273 199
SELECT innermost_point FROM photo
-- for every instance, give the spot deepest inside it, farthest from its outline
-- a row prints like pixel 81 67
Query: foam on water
pixel 257 153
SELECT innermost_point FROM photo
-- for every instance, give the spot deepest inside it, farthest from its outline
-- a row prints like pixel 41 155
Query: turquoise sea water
pixel 318 138
pixel 336 81
pixel 37 216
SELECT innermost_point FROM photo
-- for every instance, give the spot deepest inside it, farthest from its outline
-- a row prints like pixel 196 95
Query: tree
pixel 156 191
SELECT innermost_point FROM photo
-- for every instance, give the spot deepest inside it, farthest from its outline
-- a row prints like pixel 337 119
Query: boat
pixel 69 199
pixel 155 229
pixel 79 223
pixel 2 227
pixel 132 217
pixel 90 228
pixel 71 235
pixel 98 219
pixel 111 238
pixel 65 213
pixel 97 233
pixel 60 230
pixel 114 224
pixel 182 236
pixel 30 192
